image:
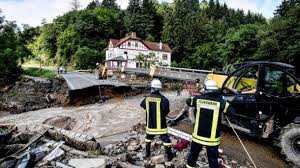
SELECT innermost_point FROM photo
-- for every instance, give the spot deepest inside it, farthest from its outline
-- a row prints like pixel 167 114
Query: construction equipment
pixel 272 111
pixel 101 72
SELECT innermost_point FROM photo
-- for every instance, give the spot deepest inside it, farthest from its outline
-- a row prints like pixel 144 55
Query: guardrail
pixel 173 73
pixel 185 69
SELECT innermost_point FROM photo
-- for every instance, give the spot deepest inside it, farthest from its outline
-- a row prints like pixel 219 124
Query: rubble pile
pixel 47 146
pixel 130 153
pixel 32 93
pixel 50 146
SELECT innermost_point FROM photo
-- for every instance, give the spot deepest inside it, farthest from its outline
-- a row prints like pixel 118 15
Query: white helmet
pixel 156 84
pixel 97 64
pixel 211 85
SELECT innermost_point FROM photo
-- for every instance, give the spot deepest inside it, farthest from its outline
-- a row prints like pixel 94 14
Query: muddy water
pixel 115 116
pixel 264 155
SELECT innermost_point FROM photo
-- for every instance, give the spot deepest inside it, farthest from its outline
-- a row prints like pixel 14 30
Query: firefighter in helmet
pixel 157 108
pixel 208 108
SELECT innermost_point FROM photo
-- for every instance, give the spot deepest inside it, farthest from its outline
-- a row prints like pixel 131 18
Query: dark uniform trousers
pixel 157 108
pixel 206 130
pixel 212 154
pixel 164 138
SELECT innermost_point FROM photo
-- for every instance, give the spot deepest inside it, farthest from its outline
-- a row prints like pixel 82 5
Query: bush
pixel 36 72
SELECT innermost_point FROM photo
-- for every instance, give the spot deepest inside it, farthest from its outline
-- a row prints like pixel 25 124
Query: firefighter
pixel 157 108
pixel 197 85
pixel 207 124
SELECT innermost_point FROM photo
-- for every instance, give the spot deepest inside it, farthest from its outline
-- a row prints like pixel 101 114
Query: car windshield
pixel 243 80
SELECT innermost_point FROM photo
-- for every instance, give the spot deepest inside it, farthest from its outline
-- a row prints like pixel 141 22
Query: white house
pixel 124 51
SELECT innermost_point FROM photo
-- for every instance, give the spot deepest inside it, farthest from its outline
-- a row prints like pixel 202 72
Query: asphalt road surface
pixel 81 80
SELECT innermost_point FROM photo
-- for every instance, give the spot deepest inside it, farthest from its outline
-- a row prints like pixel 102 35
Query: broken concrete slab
pixel 88 163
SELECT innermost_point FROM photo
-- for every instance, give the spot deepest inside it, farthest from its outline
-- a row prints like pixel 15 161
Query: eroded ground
pixel 115 116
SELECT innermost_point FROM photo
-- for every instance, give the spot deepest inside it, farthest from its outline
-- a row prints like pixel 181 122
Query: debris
pixel 169 164
pixel 182 144
pixel 29 94
pixel 158 159
pixel 58 164
pixel 7 88
pixel 33 140
pixel 88 163
pixel 160 166
pixel 26 161
pixel 77 140
pixel 63 122
pixel 128 165
pixel 133 146
pixel 57 152
pixel 8 163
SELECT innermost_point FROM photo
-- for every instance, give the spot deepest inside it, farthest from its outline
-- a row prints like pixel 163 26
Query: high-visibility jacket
pixel 157 108
pixel 208 118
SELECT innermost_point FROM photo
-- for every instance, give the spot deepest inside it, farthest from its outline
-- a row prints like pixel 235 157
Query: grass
pixel 36 72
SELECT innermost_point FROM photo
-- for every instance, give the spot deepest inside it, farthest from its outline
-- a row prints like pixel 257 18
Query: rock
pixel 60 122
pixel 128 165
pixel 133 146
pixel 160 166
pixel 88 163
pixel 16 104
pixel 158 159
pixel 139 163
pixel 234 162
pixel 169 165
pixel 51 98
pixel 173 141
pixel 123 157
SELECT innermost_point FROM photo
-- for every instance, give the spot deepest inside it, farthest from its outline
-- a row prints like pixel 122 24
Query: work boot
pixel 170 154
pixel 148 146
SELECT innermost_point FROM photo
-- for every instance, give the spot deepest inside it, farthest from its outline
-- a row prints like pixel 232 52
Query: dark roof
pixel 119 58
pixel 156 46
pixel 149 44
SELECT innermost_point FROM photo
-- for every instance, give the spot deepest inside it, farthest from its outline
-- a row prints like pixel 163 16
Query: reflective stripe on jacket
pixel 157 108
pixel 207 123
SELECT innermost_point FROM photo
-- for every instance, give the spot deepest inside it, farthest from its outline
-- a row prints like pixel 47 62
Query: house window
pixel 110 55
pixel 129 44
pixel 165 57
pixel 136 44
pixel 125 53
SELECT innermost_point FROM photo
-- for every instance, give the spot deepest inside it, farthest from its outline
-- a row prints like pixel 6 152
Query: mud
pixel 263 154
pixel 115 116
pixel 4 113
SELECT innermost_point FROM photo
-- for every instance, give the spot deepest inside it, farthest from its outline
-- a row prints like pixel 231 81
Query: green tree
pixel 94 4
pixel 110 4
pixel 133 18
pixel 152 22
pixel 240 45
pixel 85 58
pixel 11 50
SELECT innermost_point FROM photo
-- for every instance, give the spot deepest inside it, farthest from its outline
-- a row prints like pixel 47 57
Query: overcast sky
pixel 33 11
